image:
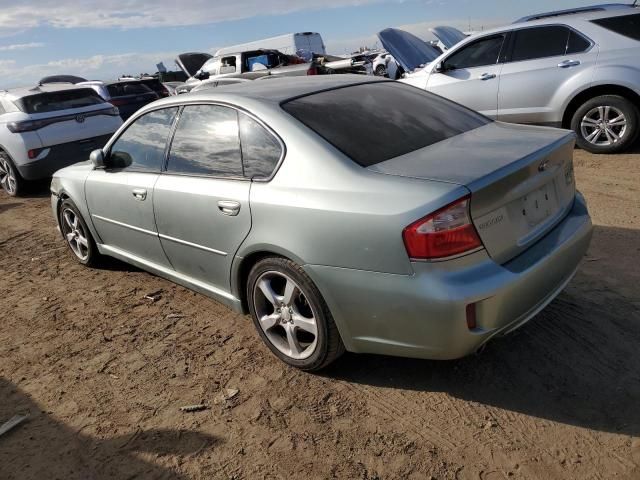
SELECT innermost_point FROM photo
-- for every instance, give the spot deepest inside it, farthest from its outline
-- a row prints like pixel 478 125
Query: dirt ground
pixel 103 371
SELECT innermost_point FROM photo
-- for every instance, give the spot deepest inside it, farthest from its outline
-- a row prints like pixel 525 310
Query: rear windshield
pixel 54 101
pixel 627 25
pixel 374 122
pixel 129 88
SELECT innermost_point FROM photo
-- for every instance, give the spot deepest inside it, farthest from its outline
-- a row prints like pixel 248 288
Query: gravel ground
pixel 102 373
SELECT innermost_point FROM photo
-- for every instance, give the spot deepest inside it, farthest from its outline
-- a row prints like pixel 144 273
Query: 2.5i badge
pixel 568 173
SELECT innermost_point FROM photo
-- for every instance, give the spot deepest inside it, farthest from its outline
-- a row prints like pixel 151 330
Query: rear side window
pixel 261 151
pixel 627 25
pixel 483 52
pixel 354 120
pixel 54 101
pixel 206 142
pixel 540 42
pixel 122 89
pixel 142 145
pixel 577 43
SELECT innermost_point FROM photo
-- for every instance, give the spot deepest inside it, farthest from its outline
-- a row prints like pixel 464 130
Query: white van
pixel 288 44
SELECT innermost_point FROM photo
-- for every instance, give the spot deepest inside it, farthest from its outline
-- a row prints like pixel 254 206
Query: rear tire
pixel 77 235
pixel 10 179
pixel 606 124
pixel 291 316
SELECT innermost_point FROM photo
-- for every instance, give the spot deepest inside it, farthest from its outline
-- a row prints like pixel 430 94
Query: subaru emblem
pixel 80 118
pixel 543 166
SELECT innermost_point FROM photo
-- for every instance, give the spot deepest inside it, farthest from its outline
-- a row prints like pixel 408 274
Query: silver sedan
pixel 421 229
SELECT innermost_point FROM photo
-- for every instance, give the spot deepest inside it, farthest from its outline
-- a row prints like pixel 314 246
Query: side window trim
pixel 505 40
pixel 512 40
pixel 114 140
pixel 239 111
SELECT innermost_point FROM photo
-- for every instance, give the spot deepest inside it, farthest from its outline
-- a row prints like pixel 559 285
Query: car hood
pixel 191 62
pixel 408 50
pixel 449 36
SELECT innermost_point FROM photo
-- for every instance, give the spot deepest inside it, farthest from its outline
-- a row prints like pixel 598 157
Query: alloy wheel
pixel 604 126
pixel 285 315
pixel 7 177
pixel 75 234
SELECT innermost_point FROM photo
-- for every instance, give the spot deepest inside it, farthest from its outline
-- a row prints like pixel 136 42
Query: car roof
pixel 588 12
pixel 273 90
pixel 21 92
pixel 565 19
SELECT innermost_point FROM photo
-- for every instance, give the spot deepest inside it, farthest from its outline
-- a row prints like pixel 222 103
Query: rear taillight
pixel 26 126
pixel 312 70
pixel 444 233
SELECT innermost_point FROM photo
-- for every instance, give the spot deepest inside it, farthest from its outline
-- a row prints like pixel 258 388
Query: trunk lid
pixel 408 50
pixel 449 36
pixel 191 62
pixel 520 178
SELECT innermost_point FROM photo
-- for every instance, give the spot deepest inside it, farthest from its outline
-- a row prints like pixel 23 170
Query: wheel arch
pixel 243 265
pixel 596 91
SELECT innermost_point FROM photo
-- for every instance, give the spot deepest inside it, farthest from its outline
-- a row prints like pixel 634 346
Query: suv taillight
pixel 444 233
pixel 313 70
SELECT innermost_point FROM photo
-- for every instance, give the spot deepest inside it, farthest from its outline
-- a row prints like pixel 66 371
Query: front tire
pixel 381 71
pixel 10 179
pixel 77 235
pixel 606 124
pixel 291 316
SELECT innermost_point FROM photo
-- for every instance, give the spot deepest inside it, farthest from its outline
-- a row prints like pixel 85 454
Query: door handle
pixel 139 194
pixel 229 207
pixel 487 76
pixel 569 63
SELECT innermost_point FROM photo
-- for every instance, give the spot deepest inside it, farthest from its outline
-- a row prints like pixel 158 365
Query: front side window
pixel 540 42
pixel 627 25
pixel 261 151
pixel 485 51
pixel 141 147
pixel 206 142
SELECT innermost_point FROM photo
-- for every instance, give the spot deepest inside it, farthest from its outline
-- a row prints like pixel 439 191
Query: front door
pixel 202 199
pixel 471 75
pixel 120 197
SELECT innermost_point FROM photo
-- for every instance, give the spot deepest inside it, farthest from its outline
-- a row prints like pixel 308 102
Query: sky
pixel 102 39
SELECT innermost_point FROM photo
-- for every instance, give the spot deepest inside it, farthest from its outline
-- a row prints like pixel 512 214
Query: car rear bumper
pixel 60 156
pixel 424 315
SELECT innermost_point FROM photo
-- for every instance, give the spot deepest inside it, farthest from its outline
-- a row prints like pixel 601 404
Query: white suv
pixel 45 128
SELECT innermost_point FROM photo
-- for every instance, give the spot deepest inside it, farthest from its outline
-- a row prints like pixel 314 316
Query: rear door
pixel 120 197
pixel 540 62
pixel 202 199
pixel 471 75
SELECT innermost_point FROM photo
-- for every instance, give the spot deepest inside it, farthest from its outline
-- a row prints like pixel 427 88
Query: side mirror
pixel 202 75
pixel 439 68
pixel 97 158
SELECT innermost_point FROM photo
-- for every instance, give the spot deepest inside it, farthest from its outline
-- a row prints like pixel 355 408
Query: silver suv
pixel 577 69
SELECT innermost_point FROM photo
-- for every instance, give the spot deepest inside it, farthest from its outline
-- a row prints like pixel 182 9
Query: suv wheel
pixel 606 124
pixel 10 180
pixel 77 234
pixel 291 316
pixel 381 71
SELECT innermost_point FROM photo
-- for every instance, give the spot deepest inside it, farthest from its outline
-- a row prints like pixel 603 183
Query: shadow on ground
pixel 577 362
pixel 43 447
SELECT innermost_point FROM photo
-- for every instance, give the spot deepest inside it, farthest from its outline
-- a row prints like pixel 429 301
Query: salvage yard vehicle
pixel 424 231
pixel 289 44
pixel 577 69
pixel 47 127
pixel 128 95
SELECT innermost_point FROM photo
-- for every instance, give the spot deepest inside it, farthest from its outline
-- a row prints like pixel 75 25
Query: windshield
pixel 353 120
pixel 54 101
